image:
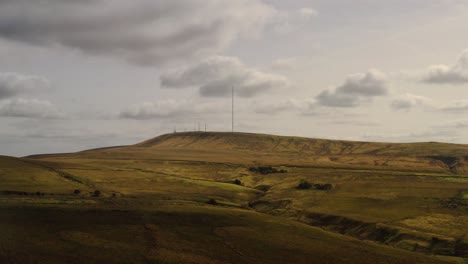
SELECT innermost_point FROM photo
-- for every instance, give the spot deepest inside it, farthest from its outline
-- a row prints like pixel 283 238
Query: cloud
pixel 308 13
pixel 455 124
pixel 289 21
pixel 352 122
pixel 460 106
pixel 284 64
pixel 29 108
pixel 357 88
pixel 145 32
pixel 409 101
pixel 168 109
pixel 449 74
pixel 215 77
pixel 12 84
pixel 272 108
pixel 442 135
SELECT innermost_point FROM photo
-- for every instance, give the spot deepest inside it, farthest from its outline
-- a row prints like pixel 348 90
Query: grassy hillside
pixel 244 148
pixel 407 201
pixel 179 235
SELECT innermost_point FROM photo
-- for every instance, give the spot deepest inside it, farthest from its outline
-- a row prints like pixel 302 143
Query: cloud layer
pixel 140 31
pixel 12 84
pixel 356 89
pixel 216 76
pixel 30 108
pixel 449 74
pixel 409 101
pixel 459 106
pixel 168 109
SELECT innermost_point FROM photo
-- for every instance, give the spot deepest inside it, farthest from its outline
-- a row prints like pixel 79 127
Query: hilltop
pixel 273 143
pixel 250 148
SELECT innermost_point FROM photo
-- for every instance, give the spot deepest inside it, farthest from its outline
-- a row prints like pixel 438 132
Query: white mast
pixel 232 91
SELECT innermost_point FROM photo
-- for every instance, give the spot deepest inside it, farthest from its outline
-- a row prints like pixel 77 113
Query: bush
pixel 96 193
pixel 323 187
pixel 212 202
pixel 266 170
pixel 77 191
pixel 238 182
pixel 263 188
pixel 304 185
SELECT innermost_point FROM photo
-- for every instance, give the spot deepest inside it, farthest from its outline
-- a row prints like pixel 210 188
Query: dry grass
pixel 393 184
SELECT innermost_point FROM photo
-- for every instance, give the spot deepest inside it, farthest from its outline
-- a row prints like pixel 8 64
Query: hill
pixel 385 202
pixel 248 148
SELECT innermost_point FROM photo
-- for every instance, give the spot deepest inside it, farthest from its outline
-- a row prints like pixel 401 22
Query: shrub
pixel 263 188
pixel 323 187
pixel 304 185
pixel 238 182
pixel 266 170
pixel 212 202
pixel 96 193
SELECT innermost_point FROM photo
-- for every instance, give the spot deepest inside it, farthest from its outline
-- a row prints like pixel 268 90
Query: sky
pixel 83 74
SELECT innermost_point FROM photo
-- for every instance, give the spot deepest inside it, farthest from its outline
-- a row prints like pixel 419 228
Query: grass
pixel 179 235
pixel 153 204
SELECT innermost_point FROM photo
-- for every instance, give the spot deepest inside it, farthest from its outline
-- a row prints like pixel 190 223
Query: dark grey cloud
pixel 29 108
pixel 409 101
pixel 215 77
pixel 12 84
pixel 356 89
pixel 449 74
pixel 147 32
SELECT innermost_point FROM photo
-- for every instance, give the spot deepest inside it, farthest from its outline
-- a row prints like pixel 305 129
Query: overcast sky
pixel 80 74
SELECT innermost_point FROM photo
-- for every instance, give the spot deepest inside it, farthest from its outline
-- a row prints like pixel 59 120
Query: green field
pixel 388 203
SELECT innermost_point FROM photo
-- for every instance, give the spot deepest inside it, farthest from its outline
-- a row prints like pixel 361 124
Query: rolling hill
pixel 210 197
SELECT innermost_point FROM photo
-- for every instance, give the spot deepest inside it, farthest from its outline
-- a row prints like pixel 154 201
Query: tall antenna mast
pixel 232 91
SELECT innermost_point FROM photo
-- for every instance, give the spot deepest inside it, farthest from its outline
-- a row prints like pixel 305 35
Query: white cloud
pixel 284 64
pixel 146 32
pixel 215 77
pixel 409 101
pixel 441 135
pixel 459 106
pixel 12 84
pixel 276 107
pixel 456 124
pixel 449 74
pixel 308 13
pixel 356 89
pixel 29 108
pixel 168 109
pixel 289 21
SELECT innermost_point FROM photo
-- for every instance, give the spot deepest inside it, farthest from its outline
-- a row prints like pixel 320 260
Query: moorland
pixel 213 197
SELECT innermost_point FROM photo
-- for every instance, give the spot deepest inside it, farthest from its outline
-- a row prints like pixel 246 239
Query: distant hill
pixel 272 143
pixel 250 148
